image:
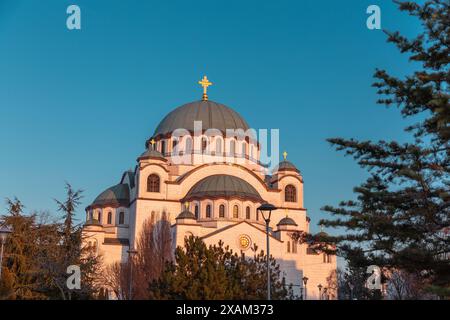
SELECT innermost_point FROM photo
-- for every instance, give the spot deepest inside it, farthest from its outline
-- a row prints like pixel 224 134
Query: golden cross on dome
pixel 152 142
pixel 285 154
pixel 205 84
pixel 186 205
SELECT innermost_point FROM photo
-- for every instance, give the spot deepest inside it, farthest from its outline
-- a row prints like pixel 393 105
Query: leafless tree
pixel 154 249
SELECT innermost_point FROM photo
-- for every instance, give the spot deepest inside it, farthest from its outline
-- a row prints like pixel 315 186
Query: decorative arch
pixel 253 174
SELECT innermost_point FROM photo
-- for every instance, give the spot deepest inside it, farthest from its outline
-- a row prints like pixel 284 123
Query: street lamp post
pixel 320 291
pixel 351 286
pixel 131 253
pixel 266 211
pixel 305 281
pixel 4 233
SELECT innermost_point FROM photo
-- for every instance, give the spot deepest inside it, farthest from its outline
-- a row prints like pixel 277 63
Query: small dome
pixel 93 222
pixel 186 214
pixel 286 166
pixel 286 222
pixel 116 196
pixel 223 186
pixel 152 154
pixel 321 234
pixel 212 114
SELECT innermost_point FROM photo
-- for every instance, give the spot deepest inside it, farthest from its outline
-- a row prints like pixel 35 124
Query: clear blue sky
pixel 78 106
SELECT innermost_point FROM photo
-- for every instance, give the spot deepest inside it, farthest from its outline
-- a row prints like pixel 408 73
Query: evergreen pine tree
pixel 400 219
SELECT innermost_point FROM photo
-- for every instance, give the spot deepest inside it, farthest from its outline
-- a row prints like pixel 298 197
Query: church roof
pixel 150 153
pixel 223 186
pixel 212 114
pixel 115 196
pixel 186 214
pixel 130 175
pixel 287 222
pixel 286 166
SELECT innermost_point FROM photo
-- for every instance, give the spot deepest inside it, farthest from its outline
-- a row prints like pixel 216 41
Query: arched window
pixel 188 146
pixel 196 211
pixel 175 145
pixel 244 149
pixel 257 215
pixel 294 247
pixel 110 217
pixel 153 183
pixel 204 144
pixel 208 211
pixel 218 145
pixel 288 247
pixel 221 211
pixel 290 193
pixel 163 146
pixel 122 218
pixel 247 213
pixel 235 212
pixel 99 216
pixel 232 147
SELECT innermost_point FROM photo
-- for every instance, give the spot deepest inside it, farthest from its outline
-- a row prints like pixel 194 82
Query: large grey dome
pixel 212 114
pixel 223 186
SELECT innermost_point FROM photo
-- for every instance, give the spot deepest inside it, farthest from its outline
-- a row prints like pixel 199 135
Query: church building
pixel 210 186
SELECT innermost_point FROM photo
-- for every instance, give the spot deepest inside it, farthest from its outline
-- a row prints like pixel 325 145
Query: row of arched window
pixel 234 213
pixel 205 146
pixel 109 217
pixel 154 184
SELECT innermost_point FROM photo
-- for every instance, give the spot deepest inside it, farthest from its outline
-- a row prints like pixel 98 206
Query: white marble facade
pixel 222 182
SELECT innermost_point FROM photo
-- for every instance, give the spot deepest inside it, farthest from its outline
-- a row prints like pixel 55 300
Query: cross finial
pixel 285 154
pixel 321 227
pixel 205 84
pixel 286 211
pixel 152 142
pixel 186 205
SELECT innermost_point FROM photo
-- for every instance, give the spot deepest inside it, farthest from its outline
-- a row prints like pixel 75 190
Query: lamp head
pixel 266 210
